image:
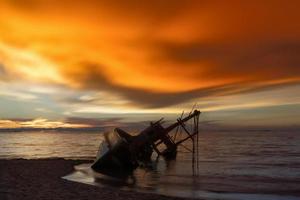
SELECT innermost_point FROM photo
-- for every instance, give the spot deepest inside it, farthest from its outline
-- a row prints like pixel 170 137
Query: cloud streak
pixel 39 123
pixel 92 79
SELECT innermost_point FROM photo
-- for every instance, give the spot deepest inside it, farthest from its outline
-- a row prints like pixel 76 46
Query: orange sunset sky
pixel 90 63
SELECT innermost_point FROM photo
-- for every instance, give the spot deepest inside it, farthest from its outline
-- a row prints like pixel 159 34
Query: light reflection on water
pixel 247 163
pixel 48 144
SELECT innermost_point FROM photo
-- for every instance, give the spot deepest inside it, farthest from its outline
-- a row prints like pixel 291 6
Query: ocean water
pixel 232 164
pixel 49 144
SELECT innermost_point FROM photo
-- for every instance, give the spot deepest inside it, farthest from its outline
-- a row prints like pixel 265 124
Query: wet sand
pixel 41 179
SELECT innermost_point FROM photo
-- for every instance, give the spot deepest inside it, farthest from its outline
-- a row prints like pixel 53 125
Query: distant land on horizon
pixel 89 129
pixel 140 128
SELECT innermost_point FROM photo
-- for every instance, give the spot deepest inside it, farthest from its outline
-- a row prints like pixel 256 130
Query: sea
pixel 232 164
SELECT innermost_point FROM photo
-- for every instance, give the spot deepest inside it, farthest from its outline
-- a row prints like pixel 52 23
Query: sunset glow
pixel 91 59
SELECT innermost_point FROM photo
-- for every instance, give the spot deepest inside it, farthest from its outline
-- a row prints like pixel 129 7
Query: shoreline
pixel 41 179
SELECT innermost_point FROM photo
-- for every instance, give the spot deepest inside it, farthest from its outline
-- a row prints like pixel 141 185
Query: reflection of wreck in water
pixel 122 152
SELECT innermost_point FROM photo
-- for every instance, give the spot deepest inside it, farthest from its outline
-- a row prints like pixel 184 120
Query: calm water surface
pixel 232 165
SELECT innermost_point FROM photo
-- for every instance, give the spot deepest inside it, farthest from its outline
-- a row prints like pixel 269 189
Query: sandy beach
pixel 41 179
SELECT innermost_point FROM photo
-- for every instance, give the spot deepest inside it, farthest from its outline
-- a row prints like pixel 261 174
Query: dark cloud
pixel 93 79
pixel 20 119
pixel 256 61
pixel 109 123
pixel 95 122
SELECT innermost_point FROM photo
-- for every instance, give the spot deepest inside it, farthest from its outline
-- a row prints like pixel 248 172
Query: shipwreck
pixel 123 152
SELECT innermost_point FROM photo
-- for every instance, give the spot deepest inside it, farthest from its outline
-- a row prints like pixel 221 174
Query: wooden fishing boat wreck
pixel 123 152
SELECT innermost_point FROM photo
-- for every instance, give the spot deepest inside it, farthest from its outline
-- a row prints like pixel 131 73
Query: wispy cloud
pixel 39 123
pixel 17 95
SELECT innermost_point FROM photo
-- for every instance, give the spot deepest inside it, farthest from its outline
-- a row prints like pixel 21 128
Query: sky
pixel 98 63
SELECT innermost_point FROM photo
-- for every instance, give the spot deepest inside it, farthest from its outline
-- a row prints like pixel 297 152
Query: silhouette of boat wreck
pixel 122 152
